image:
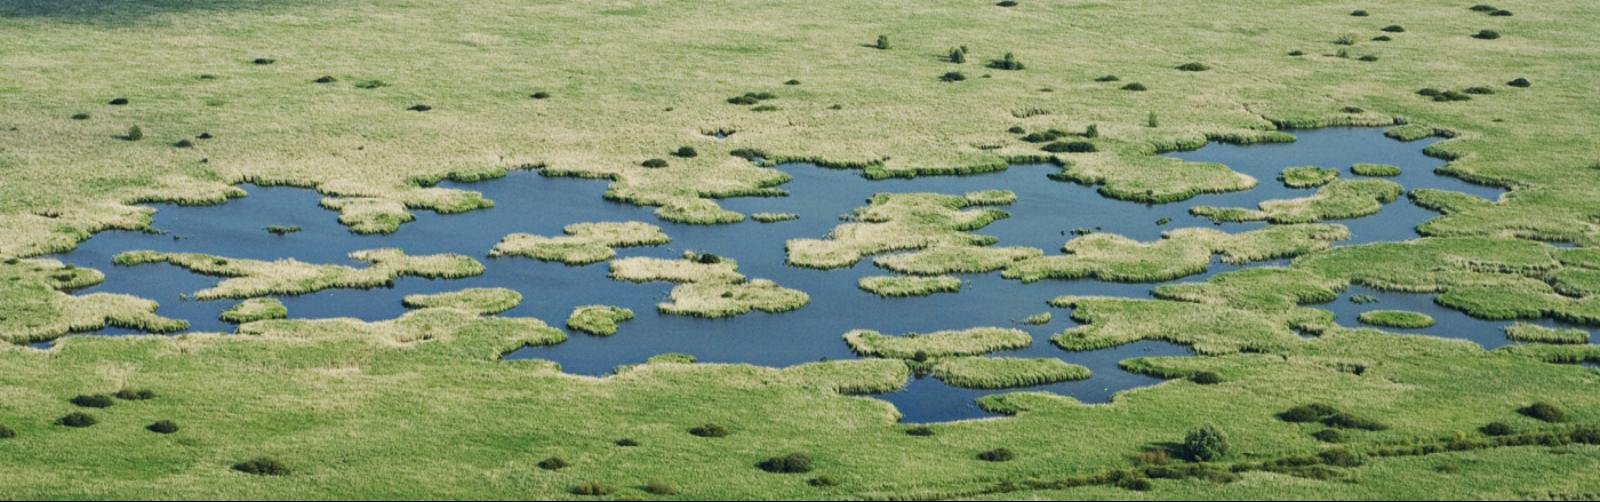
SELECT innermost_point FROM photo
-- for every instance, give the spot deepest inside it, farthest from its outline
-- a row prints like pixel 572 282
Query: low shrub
pixel 709 431
pixel 1501 13
pixel 996 455
pixel 1329 436
pixel 135 394
pixel 882 43
pixel 1106 78
pixel 1478 90
pixel 1070 147
pixel 791 82
pixel 325 79
pixel 1135 87
pixel 1345 420
pixel 1093 131
pixel 1352 109
pixel 687 152
pixel 952 76
pixel 823 481
pixel 162 427
pixel 1007 3
pixel 1452 96
pixel 1369 58
pixel 420 108
pixel 263 61
pixel 80 116
pixel 764 108
pixel 540 95
pixel 1152 120
pixel 1017 130
pixel 1297 53
pixel 183 143
pixel 627 442
pixel 1194 67
pixel 1394 28
pixel 204 135
pixel 1206 378
pixel 1485 8
pixel 553 464
pixel 1359 13
pixel 1339 457
pixel 1007 62
pixel 787 464
pixel 1205 444
pixel 659 487
pixel 1519 82
pixel 1382 38
pixel 92 400
pixel 371 84
pixel 1137 484
pixel 1545 411
pixel 654 163
pixel 77 419
pixel 1345 40
pixel 957 55
pixel 134 134
pixel 1153 457
pixel 1043 137
pixel 920 430
pixel 1486 35
pixel 592 488
pixel 118 101
pixel 7 433
pixel 263 466
pixel 1497 429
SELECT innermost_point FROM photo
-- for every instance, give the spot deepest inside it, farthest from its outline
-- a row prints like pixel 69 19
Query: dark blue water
pixel 1447 323
pixel 1044 216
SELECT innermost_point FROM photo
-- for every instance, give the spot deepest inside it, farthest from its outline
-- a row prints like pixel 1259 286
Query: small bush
pixel 1206 378
pixel 1329 436
pixel 540 95
pixel 263 61
pixel 77 419
pixel 1483 8
pixel 952 76
pixel 1452 96
pixel 1520 82
pixel 1070 147
pixel 118 101
pixel 183 143
pixel 1007 62
pixel 1007 3
pixel 1394 28
pixel 262 466
pixel 654 163
pixel 553 464
pixel 1497 429
pixel 1093 131
pixel 162 427
pixel 1193 67
pixel 1297 53
pixel 7 433
pixel 687 152
pixel 787 464
pixel 204 135
pixel 1586 434
pixel 996 455
pixel 1135 87
pixel 709 431
pixel 1367 58
pixel 1345 40
pixel 80 116
pixel 920 430
pixel 1017 130
pixel 92 400
pixel 325 79
pixel 957 56
pixel 1487 35
pixel 791 82
pixel 420 108
pixel 371 84
pixel 1138 484
pixel 659 487
pixel 1339 457
pixel 1352 109
pixel 627 442
pixel 1501 13
pixel 592 488
pixel 1205 444
pixel 1382 38
pixel 1358 13
pixel 764 108
pixel 1545 411
pixel 882 43
pixel 823 481
pixel 1152 120
pixel 134 134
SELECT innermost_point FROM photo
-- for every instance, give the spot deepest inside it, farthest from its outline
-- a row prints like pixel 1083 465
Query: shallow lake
pixel 1044 216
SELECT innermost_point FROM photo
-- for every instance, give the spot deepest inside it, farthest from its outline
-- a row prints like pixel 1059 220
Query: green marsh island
pixel 663 250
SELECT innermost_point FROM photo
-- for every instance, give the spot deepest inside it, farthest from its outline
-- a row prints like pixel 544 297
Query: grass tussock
pixel 1533 333
pixel 484 301
pixel 1396 319
pixel 967 342
pixel 255 278
pixel 900 286
pixel 583 244
pixel 255 309
pixel 1006 372
pixel 600 320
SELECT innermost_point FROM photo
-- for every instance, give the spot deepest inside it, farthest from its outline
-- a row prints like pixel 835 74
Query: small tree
pixel 958 56
pixel 134 134
pixel 883 42
pixel 1093 131
pixel 1205 444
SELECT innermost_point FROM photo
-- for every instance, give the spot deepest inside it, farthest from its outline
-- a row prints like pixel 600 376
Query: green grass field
pixel 226 92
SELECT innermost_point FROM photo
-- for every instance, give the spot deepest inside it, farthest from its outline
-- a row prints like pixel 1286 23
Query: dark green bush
pixel 1382 38
pixel 1202 377
pixel 1345 420
pixel 1193 67
pixel 764 108
pixel 592 488
pixel 420 108
pixel 553 464
pixel 1205 444
pixel 707 258
pixel 659 487
pixel 1107 78
pixel 791 82
pixel 1394 28
pixel 627 442
pixel 1007 62
pixel 709 431
pixel 1478 90
pixel 823 481
pixel 1297 53
pixel 1429 92
pixel 1359 13
pixel 1329 436
pixel 1483 8
pixel 687 152
pixel 134 134
pixel 80 116
pixel 1497 429
pixel 263 61
pixel 920 430
pixel 183 143
pixel 1135 86
pixel 262 466
pixel 1070 147
pixel 952 76
pixel 1135 483
pixel 654 163
pixel 371 84
pixel 162 427
pixel 118 101
pixel 1500 13
pixel 1093 131
pixel 996 455
pixel 882 43
pixel 204 135
pixel 1545 411
pixel 1486 35
pixel 957 55
pixel 1367 58
pixel 540 95
pixel 1352 109
pixel 325 79
pixel 1452 96
pixel 787 464
pixel 1587 434
pixel 1016 130
pixel 1520 82
pixel 1007 3
pixel 7 433
pixel 77 419
pixel 1339 457
pixel 92 400
pixel 1043 137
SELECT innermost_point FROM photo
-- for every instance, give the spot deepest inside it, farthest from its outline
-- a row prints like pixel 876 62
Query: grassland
pixel 889 285
pixel 601 320
pixel 252 278
pixel 584 243
pixel 708 286
pixel 419 406
pixel 1005 372
pixel 966 342
pixel 1396 319
pixel 255 309
pixel 481 300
